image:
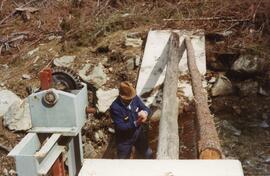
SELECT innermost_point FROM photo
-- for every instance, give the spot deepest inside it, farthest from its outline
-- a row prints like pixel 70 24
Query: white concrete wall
pixel 161 168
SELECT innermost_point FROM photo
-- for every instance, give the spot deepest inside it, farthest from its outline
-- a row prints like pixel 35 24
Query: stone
pixel 248 64
pixel 64 61
pixel 225 124
pixel 30 53
pixel 133 42
pixel 7 98
pixel 222 86
pixel 97 77
pixel 89 151
pixel 111 130
pixel 263 92
pixel 155 117
pixel 12 172
pixel 5 172
pixel 264 124
pixel 130 64
pixel 96 137
pixel 247 87
pixel 212 80
pixel 105 99
pixel 26 76
pixel 18 117
pixel 101 134
pixel 137 60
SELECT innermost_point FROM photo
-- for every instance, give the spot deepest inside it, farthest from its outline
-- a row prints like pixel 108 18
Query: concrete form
pixel 98 167
pixel 153 67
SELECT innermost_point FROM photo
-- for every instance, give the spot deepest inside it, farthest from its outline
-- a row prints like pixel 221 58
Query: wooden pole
pixel 168 142
pixel 208 141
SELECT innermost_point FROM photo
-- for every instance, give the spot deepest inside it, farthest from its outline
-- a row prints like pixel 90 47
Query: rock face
pixel 248 64
pixel 18 117
pixel 64 61
pixel 98 77
pixel 223 86
pixel 105 99
pixel 7 98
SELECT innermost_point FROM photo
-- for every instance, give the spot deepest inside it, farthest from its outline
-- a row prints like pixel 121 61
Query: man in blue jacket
pixel 129 113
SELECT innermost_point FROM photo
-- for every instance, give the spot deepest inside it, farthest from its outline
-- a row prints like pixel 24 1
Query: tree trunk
pixel 168 143
pixel 208 141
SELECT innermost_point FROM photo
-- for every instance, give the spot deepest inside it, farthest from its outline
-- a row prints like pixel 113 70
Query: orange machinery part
pixel 45 77
pixel 58 167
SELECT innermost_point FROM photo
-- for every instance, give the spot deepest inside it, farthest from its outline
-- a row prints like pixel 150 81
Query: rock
pixel 5 172
pixel 155 117
pixel 89 151
pixel 267 159
pixel 98 77
pixel 18 117
pixel 101 134
pixel 212 80
pixel 64 61
pixel 248 64
pixel 96 137
pixel 225 124
pixel 30 53
pixel 247 87
pixel 7 98
pixel 223 86
pixel 12 172
pixel 130 64
pixel 110 69
pixel 26 76
pixel 263 92
pixel 105 98
pixel 137 60
pixel 111 130
pixel 264 124
pixel 133 42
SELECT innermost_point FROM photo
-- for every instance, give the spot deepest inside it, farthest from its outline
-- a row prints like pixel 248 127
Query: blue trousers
pixel 139 141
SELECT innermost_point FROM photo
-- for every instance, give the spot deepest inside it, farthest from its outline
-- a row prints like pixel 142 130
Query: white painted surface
pixel 153 67
pixel 99 167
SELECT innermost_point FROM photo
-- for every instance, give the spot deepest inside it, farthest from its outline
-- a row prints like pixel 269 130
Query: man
pixel 128 114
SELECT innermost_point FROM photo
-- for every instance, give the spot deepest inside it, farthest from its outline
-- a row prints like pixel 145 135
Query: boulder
pixel 18 116
pixel 64 61
pixel 248 87
pixel 98 77
pixel 133 41
pixel 222 86
pixel 105 98
pixel 248 64
pixel 7 98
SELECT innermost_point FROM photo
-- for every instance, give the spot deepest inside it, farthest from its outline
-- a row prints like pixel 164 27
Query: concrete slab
pixel 99 167
pixel 153 67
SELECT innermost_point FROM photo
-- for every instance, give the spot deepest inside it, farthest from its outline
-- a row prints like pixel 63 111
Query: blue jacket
pixel 124 117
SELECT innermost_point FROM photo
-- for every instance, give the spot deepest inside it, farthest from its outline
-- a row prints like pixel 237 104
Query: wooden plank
pixel 208 142
pixel 168 144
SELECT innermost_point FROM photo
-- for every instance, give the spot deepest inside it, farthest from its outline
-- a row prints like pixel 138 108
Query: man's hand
pixel 142 116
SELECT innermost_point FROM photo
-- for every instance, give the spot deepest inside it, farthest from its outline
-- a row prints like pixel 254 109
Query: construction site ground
pixel 95 31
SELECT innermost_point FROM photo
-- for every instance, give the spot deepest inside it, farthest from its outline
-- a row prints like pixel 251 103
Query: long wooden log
pixel 168 142
pixel 208 141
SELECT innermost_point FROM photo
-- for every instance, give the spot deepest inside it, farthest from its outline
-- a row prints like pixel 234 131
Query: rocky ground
pixel 104 40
